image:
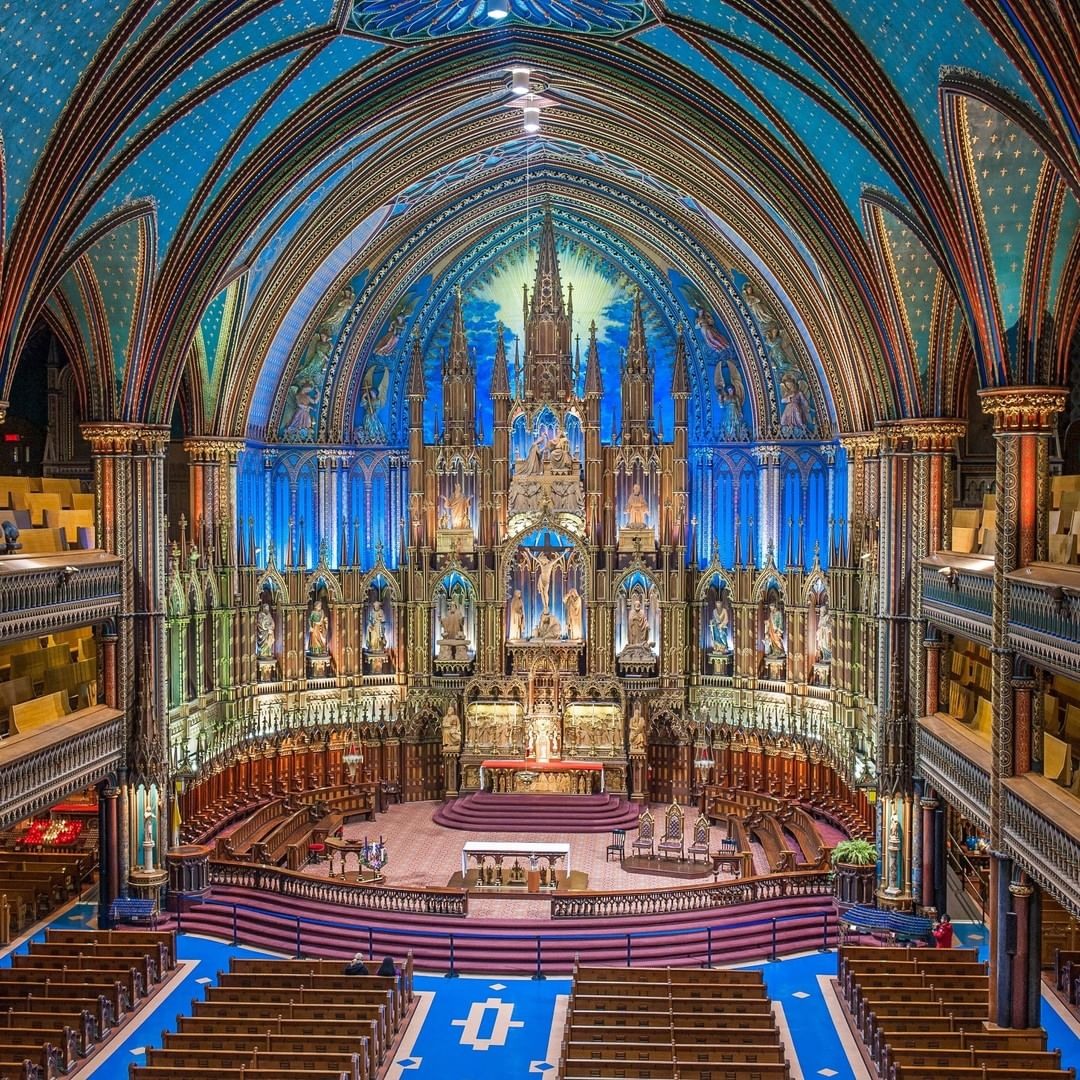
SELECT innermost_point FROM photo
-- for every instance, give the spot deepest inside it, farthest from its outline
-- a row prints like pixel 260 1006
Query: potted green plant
pixel 855 863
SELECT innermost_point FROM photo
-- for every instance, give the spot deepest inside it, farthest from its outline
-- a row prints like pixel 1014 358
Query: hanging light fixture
pixel 520 81
pixel 498 9
pixel 532 119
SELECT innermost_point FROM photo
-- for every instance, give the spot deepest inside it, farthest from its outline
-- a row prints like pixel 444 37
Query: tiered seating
pixel 33 884
pixel 771 820
pixel 52 514
pixel 920 1011
pixel 671 1022
pixel 1064 520
pixel 1061 732
pixel 270 1019
pixel 66 995
pixel 43 679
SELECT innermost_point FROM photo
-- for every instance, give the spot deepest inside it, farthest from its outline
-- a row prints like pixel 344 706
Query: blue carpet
pixel 490 1028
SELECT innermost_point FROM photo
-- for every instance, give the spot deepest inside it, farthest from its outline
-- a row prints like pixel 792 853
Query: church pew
pixel 1066 970
pixel 211 1060
pixel 52 967
pixel 650 976
pixel 274 1044
pixel 143 966
pixel 97 1005
pixel 932 1058
pixel 15 1066
pixel 14 983
pixel 46 887
pixel 61 1040
pixel 702 1053
pixel 616 1018
pixel 171 1072
pixel 80 864
pixel 624 1050
pixel 717 1032
pixel 39 712
pixel 81 1023
pixel 981 1072
pixel 145 956
pixel 69 883
pixel 578 1070
pixel 164 940
pixel 661 991
pixel 728 1006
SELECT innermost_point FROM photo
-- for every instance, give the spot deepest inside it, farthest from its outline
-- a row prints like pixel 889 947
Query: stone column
pixel 768 516
pixel 927 806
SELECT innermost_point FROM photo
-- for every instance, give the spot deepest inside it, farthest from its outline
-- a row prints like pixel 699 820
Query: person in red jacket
pixel 943 932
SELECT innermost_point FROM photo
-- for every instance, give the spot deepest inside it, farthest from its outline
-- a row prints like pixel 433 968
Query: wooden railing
pixel 686 898
pixel 238 843
pixel 418 901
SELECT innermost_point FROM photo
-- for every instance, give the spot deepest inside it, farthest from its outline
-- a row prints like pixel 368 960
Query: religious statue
pixel 720 628
pixel 823 637
pixel 375 636
pixel 774 632
pixel 456 508
pixel 637 730
pixel 265 632
pixel 452 622
pixel 517 616
pixel 545 564
pixel 305 397
pixel 637 510
pixel 572 604
pixel 451 731
pixel 533 462
pixel 637 624
pixel 548 628
pixel 795 414
pixel 894 847
pixel 559 458
pixel 318 628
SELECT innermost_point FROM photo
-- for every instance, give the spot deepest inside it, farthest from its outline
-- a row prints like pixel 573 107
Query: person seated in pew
pixel 943 932
pixel 357 966
pixel 387 968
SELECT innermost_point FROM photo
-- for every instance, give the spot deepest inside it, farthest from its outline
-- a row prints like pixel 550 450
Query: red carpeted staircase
pixel 485 813
pixel 509 946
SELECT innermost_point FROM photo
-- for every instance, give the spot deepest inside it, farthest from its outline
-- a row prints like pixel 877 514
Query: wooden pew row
pixel 674 976
pixel 165 940
pixel 632 1070
pixel 273 1044
pixel 116 991
pixel 213 1060
pixel 142 969
pixel 98 1006
pixel 648 1016
pixel 171 1072
pixel 79 864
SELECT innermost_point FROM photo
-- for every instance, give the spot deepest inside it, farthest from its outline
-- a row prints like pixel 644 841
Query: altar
pixel 502 864
pixel 531 777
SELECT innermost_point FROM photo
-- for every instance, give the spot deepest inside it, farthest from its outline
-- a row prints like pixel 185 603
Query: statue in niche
pixel 265 632
pixel 548 628
pixel 545 564
pixel 559 458
pixel 894 870
pixel 824 635
pixel 720 627
pixel 517 616
pixel 572 605
pixel 452 622
pixel 774 632
pixel 637 624
pixel 456 509
pixel 637 730
pixel 375 635
pixel 637 509
pixel 533 462
pixel 318 628
pixel 451 731
pixel 453 644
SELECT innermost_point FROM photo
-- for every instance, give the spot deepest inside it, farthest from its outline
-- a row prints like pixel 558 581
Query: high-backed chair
pixel 617 847
pixel 673 844
pixel 700 845
pixel 646 833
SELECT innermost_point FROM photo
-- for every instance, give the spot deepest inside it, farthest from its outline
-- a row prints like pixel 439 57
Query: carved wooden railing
pixel 418 901
pixel 687 898
pixel 956 763
pixel 238 843
pixel 1044 615
pixel 50 592
pixel 41 767
pixel 957 593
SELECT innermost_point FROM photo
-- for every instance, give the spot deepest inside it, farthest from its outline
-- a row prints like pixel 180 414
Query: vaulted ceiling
pixel 212 200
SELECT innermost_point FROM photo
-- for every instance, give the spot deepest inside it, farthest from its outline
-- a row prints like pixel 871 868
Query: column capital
pixel 213 449
pixel 928 803
pixel 767 453
pixel 115 438
pixel 930 434
pixel 862 443
pixel 1023 410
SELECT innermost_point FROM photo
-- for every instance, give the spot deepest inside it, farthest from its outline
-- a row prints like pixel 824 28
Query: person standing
pixel 943 932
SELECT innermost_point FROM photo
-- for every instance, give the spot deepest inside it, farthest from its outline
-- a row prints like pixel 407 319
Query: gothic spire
pixel 547 296
pixel 417 386
pixel 500 378
pixel 637 351
pixel 680 378
pixel 459 345
pixel 594 386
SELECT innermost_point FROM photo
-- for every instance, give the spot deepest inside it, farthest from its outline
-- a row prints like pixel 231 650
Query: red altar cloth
pixel 549 766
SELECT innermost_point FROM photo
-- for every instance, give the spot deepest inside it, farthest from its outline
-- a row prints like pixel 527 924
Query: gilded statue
pixel 451 731
pixel 572 605
pixel 637 624
pixel 456 507
pixel 720 628
pixel 452 622
pixel 318 628
pixel 265 632
pixel 637 730
pixel 517 616
pixel 375 634
pixel 637 509
pixel 774 632
pixel 823 637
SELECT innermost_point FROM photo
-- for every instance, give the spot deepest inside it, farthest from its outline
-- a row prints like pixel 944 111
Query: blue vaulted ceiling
pixel 277 144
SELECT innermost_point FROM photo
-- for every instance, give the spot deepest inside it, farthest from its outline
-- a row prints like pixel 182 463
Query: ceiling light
pixel 520 83
pixel 532 118
pixel 498 9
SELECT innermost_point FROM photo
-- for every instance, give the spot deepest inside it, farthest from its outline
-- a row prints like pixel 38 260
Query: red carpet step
pixel 483 812
pixel 508 946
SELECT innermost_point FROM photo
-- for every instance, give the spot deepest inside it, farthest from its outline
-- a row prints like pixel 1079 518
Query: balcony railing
pixel 957 593
pixel 44 766
pixel 44 593
pixel 1044 615
pixel 957 763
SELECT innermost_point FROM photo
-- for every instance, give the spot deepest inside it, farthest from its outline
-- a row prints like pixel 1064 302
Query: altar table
pixel 504 867
pixel 541 778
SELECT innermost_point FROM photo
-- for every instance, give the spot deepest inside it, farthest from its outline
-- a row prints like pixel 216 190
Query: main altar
pixel 542 777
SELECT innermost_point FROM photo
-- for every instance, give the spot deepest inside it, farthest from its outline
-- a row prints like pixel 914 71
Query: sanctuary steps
pixel 393 933
pixel 483 812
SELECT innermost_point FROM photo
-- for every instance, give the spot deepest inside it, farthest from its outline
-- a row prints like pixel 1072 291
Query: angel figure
pixel 728 381
pixel 386 345
pixel 712 335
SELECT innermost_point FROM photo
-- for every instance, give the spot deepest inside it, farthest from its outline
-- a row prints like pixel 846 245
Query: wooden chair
pixel 617 845
pixel 646 833
pixel 673 845
pixel 700 845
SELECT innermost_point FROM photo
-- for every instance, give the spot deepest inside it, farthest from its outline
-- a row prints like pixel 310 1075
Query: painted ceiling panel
pixel 1006 165
pixel 173 166
pixel 729 21
pixel 429 20
pixel 915 277
pixel 668 43
pixel 118 263
pixel 1068 230
pixel 43 51
pixel 329 67
pixel 913 42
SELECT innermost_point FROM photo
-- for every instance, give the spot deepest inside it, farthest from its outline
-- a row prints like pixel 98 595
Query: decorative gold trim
pixel 120 438
pixel 1020 409
pixel 926 434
